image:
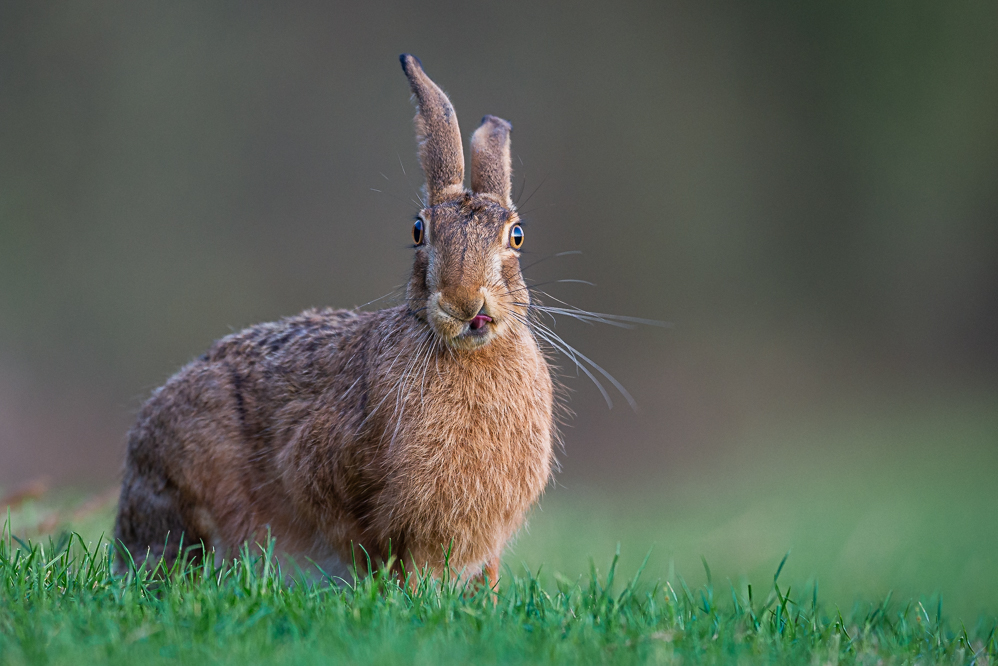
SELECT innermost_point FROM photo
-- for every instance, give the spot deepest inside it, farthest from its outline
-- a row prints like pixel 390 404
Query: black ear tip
pixel 407 59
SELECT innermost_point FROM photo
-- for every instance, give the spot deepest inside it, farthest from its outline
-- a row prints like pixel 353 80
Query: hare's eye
pixel 516 237
pixel 417 232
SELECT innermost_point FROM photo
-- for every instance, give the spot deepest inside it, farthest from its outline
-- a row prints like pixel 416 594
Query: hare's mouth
pixel 476 332
pixel 477 326
pixel 459 332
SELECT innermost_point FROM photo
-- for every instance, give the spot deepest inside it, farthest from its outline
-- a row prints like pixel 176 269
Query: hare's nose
pixel 463 306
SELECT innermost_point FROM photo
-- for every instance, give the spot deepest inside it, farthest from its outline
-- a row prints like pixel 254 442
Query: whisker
pixel 422 204
pixel 533 193
pixel 395 196
pixel 540 284
pixel 566 351
pixel 551 256
pixel 406 381
pixel 424 355
pixel 387 395
pixel 431 351
pixel 574 315
pixel 597 367
pixel 533 210
pixel 634 320
pixel 550 337
pixel 591 284
pixel 395 289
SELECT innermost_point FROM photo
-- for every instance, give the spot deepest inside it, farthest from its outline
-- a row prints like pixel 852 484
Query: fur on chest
pixel 469 451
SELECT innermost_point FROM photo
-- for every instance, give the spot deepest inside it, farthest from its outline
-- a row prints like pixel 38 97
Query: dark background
pixel 808 193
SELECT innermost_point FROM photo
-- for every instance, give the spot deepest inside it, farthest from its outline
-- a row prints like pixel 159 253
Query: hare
pixel 422 431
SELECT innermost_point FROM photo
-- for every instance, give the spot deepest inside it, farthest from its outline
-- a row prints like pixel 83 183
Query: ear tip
pixel 496 120
pixel 408 60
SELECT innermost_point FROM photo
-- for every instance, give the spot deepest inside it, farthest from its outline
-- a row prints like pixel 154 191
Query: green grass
pixel 888 514
pixel 900 499
pixel 61 604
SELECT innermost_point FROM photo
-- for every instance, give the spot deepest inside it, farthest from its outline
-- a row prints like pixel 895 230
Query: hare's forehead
pixel 456 225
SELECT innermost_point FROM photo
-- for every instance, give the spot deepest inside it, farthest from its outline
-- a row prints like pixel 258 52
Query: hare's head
pixel 466 280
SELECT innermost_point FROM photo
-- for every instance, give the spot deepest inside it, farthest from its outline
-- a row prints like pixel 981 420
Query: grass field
pixel 61 605
pixel 903 501
pixel 889 521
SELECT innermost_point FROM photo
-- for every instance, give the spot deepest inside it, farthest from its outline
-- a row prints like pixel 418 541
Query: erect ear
pixel 437 134
pixel 491 169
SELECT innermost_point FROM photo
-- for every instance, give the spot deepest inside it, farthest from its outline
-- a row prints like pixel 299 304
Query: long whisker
pixel 528 287
pixel 406 381
pixel 393 195
pixel 573 280
pixel 555 341
pixel 423 354
pixel 431 352
pixel 418 196
pixel 533 193
pixel 393 291
pixel 597 367
pixel 403 376
pixel 523 185
pixel 567 352
pixel 524 213
pixel 633 320
pixel 574 315
pixel 550 256
pixel 387 394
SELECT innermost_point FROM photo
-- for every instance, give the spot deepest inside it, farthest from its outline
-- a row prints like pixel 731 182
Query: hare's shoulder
pixel 306 338
pixel 257 372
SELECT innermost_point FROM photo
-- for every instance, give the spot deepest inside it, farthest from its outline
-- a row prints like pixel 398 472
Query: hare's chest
pixel 478 457
pixel 486 455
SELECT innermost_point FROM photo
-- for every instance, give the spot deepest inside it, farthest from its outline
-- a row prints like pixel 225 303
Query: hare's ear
pixel 437 133
pixel 491 169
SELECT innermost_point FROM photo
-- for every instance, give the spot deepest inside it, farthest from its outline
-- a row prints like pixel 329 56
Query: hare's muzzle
pixel 464 323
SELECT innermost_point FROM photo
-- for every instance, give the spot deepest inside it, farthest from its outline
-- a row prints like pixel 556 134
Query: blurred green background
pixel 808 192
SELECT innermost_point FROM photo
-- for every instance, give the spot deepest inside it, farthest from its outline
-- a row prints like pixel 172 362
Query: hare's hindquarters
pixel 181 459
pixel 150 523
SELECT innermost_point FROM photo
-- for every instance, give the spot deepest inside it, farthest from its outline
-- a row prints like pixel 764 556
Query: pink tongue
pixel 479 321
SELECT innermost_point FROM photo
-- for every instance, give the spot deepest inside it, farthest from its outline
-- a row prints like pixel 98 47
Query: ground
pixel 888 523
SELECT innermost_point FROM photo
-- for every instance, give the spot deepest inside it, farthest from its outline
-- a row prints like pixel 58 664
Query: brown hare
pixel 423 430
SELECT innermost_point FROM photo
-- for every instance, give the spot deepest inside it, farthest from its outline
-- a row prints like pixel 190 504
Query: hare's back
pixel 248 379
pixel 205 444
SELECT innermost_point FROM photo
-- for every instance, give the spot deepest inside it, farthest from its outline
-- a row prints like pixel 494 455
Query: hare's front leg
pixel 490 578
pixel 491 574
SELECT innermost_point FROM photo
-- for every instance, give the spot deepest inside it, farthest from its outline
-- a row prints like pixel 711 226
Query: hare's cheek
pixel 510 268
pixel 498 268
pixel 443 324
pixel 422 268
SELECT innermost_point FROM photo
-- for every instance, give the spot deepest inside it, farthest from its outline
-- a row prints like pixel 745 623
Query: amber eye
pixel 417 232
pixel 516 237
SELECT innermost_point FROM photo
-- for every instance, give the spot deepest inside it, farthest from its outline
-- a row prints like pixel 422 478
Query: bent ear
pixel 491 168
pixel 437 134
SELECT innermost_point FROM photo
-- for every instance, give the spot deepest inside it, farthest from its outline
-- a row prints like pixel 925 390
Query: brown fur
pixel 401 430
pixel 491 167
pixel 437 135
